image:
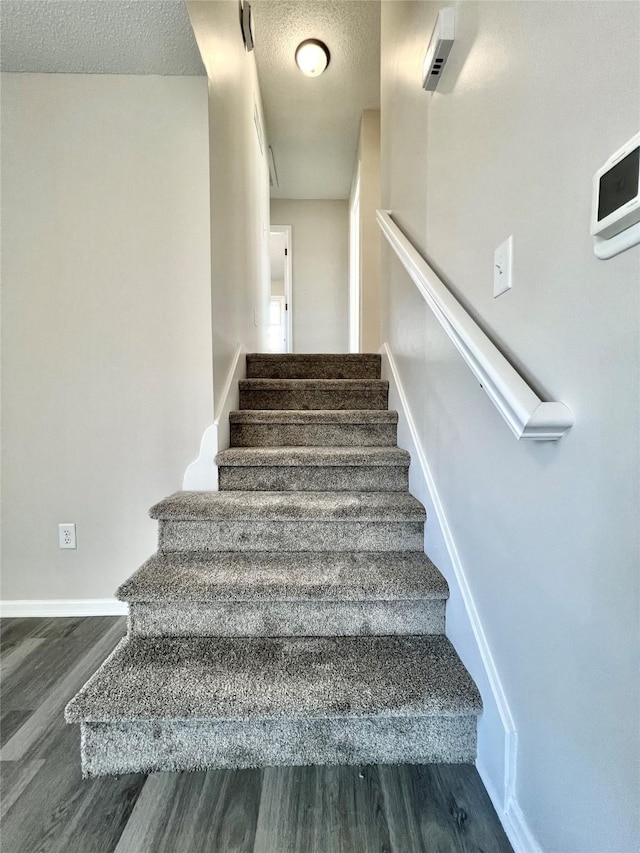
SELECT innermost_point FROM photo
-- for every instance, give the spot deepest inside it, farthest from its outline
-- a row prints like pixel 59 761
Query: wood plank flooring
pixel 47 807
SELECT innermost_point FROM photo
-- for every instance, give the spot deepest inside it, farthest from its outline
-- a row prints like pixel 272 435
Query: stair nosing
pixel 318 356
pixel 293 506
pixel 315 416
pixel 444 687
pixel 416 578
pixel 313 384
pixel 330 456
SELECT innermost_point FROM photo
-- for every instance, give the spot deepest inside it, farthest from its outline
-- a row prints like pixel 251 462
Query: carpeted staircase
pixel 291 617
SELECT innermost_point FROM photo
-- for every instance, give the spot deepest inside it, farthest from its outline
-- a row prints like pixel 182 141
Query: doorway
pixel 279 330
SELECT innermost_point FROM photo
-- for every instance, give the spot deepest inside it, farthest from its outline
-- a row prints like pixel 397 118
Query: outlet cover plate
pixel 502 267
pixel 67 536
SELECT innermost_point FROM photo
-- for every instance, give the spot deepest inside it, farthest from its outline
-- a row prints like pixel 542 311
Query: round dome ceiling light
pixel 312 57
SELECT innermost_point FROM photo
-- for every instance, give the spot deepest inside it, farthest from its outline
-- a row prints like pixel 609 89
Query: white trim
pixel 504 801
pixel 513 822
pixel 525 413
pixel 50 607
pixel 202 473
pixel 288 279
pixel 520 836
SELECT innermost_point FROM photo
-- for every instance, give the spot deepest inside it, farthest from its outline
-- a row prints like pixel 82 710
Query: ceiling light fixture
pixel 312 57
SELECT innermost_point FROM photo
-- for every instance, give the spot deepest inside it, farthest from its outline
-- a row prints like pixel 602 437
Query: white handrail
pixel 527 415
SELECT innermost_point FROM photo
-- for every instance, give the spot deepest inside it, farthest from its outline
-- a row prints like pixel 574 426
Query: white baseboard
pixel 513 821
pixel 503 795
pixel 202 473
pixel 50 607
pixel 521 838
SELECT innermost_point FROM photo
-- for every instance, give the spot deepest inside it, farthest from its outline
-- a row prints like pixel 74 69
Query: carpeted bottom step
pixel 185 704
pixel 286 594
pixel 150 746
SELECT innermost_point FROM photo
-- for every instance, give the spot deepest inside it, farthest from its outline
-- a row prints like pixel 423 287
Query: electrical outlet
pixel 502 267
pixel 67 536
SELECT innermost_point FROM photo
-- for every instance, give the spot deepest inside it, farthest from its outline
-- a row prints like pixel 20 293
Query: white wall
pixel 320 262
pixel 239 187
pixel 106 330
pixel 534 99
pixel 369 160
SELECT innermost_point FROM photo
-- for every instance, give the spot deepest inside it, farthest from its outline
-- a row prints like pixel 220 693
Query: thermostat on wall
pixel 615 208
pixel 438 50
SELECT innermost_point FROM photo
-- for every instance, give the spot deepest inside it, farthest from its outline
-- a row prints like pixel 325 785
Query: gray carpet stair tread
pixel 243 678
pixel 299 576
pixel 313 416
pixel 311 456
pixel 289 506
pixel 310 365
pixel 340 385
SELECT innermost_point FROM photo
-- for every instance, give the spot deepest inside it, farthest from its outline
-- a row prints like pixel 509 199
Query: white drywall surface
pixel 370 236
pixel 239 188
pixel 106 332
pixel 534 98
pixel 320 261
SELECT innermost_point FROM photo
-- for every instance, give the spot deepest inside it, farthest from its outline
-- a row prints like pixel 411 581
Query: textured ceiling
pixel 313 123
pixel 98 37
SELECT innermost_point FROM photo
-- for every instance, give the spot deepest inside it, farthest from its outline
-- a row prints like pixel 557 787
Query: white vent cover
pixel 246 25
pixel 439 47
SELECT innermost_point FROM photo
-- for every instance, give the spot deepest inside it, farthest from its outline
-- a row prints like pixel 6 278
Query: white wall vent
pixel 439 47
pixel 246 24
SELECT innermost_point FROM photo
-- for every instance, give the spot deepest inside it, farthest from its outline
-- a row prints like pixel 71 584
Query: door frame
pixel 288 281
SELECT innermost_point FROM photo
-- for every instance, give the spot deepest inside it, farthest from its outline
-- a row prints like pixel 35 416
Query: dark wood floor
pixel 48 808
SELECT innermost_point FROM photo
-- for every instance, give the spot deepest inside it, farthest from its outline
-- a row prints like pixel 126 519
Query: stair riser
pixel 313 435
pixel 147 746
pixel 286 618
pixel 351 478
pixel 316 399
pixel 308 367
pixel 291 536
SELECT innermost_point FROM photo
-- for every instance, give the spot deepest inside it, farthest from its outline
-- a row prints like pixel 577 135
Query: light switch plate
pixel 502 267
